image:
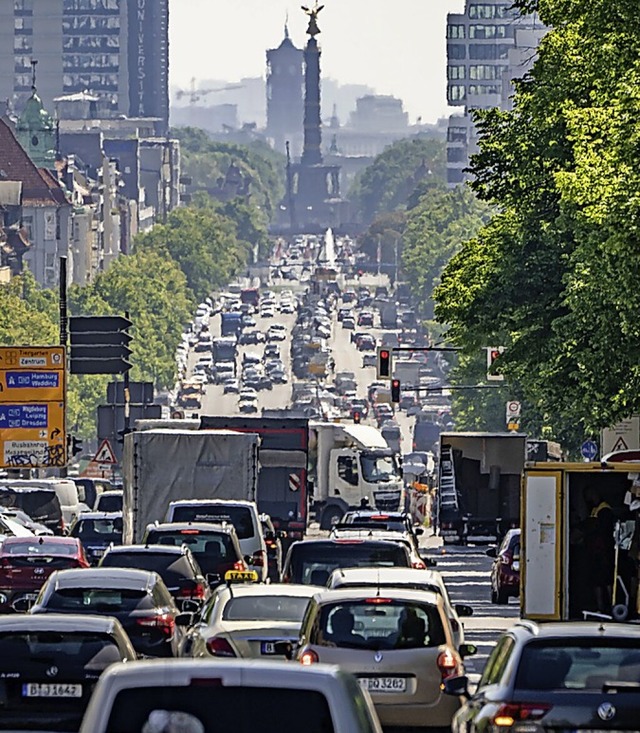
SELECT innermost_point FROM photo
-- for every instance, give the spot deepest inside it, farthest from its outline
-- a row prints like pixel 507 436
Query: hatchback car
pixel 49 666
pixel 109 501
pixel 25 565
pixel 215 547
pixel 175 565
pixel 96 531
pixel 505 571
pixel 312 561
pixel 248 620
pixel 556 676
pixel 138 599
pixel 399 645
pixel 243 696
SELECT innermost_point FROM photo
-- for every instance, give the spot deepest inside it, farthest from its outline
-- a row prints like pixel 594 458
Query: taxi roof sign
pixel 241 576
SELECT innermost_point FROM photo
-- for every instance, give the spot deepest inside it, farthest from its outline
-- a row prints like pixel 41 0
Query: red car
pixel 505 572
pixel 26 563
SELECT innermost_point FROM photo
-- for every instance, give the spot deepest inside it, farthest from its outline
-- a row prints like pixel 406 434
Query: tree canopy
pixel 553 276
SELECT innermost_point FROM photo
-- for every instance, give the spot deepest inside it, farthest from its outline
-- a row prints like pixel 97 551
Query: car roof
pixel 145 549
pixel 208 502
pixel 387 575
pixel 221 527
pixel 44 539
pixel 356 594
pixel 99 515
pixel 375 513
pixel 271 589
pixel 332 542
pixel 575 629
pixel 64 622
pixel 371 533
pixel 111 492
pixel 105 578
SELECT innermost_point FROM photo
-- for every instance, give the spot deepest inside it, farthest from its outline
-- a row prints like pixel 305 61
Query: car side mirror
pixel 214 578
pixel 467 650
pixel 23 605
pixel 284 648
pixel 491 552
pixel 248 559
pixel 419 531
pixel 189 606
pixel 456 686
pixel 463 609
pixel 185 619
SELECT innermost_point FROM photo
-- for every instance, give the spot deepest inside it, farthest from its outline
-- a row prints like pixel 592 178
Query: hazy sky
pixel 395 46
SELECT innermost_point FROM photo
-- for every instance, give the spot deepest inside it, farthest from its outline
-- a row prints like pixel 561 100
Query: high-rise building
pixel 285 95
pixel 117 50
pixel 488 46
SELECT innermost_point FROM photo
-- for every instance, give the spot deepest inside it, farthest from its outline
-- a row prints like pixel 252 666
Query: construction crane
pixel 195 95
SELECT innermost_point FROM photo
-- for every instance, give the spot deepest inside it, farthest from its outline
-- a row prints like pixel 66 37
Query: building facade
pixel 117 50
pixel 488 46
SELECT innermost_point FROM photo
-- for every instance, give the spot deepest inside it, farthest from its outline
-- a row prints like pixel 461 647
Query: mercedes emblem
pixel 606 711
pixel 377 657
pixel 52 671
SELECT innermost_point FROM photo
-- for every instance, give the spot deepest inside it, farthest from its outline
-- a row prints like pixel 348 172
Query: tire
pixel 502 597
pixel 330 516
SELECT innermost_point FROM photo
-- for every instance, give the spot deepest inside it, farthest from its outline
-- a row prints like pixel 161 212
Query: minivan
pixel 243 515
pixel 42 505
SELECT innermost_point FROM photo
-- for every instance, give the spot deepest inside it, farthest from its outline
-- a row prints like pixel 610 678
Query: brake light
pixel 308 658
pixel 377 600
pixel 239 565
pixel 348 542
pixel 381 517
pixel 259 558
pixel 506 558
pixel 418 565
pixel 510 713
pixel 163 621
pixel 270 543
pixel 217 646
pixel 198 591
pixel 449 664
pixel 189 531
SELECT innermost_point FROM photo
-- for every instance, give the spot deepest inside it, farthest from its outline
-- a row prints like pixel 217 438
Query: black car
pixel 311 562
pixel 96 531
pixel 49 665
pixel 580 676
pixel 175 565
pixel 272 539
pixel 137 598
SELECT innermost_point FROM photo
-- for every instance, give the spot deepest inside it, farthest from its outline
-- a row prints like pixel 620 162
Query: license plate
pixel 268 647
pixel 383 684
pixel 35 689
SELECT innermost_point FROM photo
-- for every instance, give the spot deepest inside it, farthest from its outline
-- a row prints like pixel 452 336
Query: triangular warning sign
pixel 105 453
pixel 619 445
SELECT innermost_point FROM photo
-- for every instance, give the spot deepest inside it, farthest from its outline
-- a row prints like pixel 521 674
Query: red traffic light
pixel 395 390
pixel 384 364
pixel 356 417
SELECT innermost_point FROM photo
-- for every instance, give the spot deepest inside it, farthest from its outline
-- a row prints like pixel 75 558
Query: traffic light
pixel 395 390
pixel 356 418
pixel 493 355
pixel 74 446
pixel 384 365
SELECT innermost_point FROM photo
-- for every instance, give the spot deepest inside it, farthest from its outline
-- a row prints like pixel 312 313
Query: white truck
pixel 352 466
pixel 163 465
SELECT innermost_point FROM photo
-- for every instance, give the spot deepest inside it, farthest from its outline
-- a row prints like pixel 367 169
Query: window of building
pixel 22 43
pixel 456 155
pixel 23 6
pixel 483 71
pixel 488 51
pixel 481 89
pixel 456 72
pixel 457 135
pixel 455 175
pixel 455 31
pixel 457 92
pixel 456 51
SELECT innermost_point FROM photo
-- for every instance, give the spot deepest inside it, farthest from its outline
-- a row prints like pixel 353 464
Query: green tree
pixel 23 323
pixel 390 181
pixel 553 277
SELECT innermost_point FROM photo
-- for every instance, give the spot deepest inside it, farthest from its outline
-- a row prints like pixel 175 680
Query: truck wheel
pixel 330 516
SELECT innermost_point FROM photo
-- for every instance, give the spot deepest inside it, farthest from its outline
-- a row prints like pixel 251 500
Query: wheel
pixel 330 516
pixel 502 597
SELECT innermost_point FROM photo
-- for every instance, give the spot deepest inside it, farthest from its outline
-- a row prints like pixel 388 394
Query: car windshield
pixel 109 530
pixel 210 549
pixel 37 548
pixel 579 664
pixel 265 608
pixel 314 565
pixel 239 516
pixel 22 649
pixel 112 503
pixel 379 623
pixel 170 567
pixel 378 468
pixel 187 708
pixel 88 600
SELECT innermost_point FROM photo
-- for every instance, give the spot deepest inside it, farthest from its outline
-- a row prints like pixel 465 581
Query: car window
pixel 39 548
pixel 578 664
pixel 99 600
pixel 87 649
pixel 171 568
pixel 265 608
pixel 313 564
pixel 211 549
pixel 239 516
pixel 109 530
pixel 497 662
pixel 111 503
pixel 379 623
pixel 188 708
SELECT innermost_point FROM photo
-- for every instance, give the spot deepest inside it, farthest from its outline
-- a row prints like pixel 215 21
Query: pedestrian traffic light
pixel 493 355
pixel 395 390
pixel 356 418
pixel 384 366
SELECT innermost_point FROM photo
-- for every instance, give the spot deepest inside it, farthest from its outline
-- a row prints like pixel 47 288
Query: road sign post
pixel 32 407
pixel 99 344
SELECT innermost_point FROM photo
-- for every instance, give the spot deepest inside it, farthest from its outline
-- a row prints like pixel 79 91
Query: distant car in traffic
pixel 505 571
pixel 96 531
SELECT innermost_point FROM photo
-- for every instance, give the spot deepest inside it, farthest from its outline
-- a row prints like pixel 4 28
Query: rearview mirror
pixel 491 551
pixel 185 619
pixel 456 686
pixel 214 578
pixel 284 648
pixel 463 609
pixel 189 606
pixel 23 605
pixel 467 650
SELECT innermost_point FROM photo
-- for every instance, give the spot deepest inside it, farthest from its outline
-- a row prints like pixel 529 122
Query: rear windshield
pixel 110 503
pixel 79 648
pixel 238 516
pixel 188 709
pixel 582 664
pixel 210 549
pixel 43 504
pixel 265 608
pixel 109 530
pixel 313 564
pixel 171 568
pixel 99 600
pixel 379 623
pixel 38 548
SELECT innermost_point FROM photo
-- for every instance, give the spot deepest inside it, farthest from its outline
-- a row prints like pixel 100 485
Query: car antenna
pixel 378 591
pixel 41 540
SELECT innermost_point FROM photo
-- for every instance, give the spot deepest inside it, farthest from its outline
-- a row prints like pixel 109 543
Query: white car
pixel 243 696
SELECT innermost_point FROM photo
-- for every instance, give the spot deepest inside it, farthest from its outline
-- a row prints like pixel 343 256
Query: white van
pixel 70 495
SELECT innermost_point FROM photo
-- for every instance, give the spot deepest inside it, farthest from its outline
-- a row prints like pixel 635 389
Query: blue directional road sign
pixel 589 450
pixel 23 416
